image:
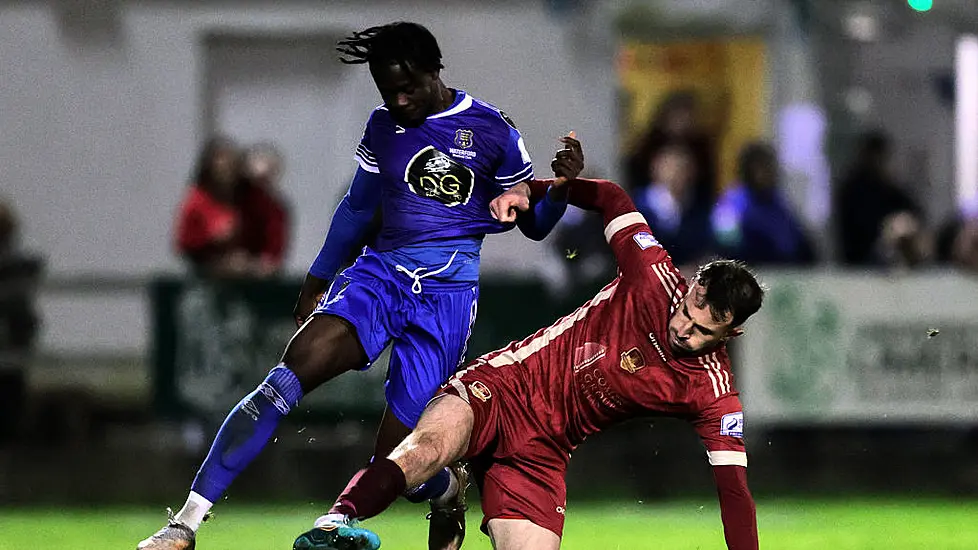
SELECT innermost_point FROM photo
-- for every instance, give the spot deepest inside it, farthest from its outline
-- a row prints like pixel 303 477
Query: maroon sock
pixel 371 491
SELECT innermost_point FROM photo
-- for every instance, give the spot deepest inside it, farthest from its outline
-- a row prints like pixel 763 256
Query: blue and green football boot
pixel 337 535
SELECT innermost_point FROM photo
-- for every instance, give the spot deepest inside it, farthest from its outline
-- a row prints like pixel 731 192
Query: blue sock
pixel 433 488
pixel 246 431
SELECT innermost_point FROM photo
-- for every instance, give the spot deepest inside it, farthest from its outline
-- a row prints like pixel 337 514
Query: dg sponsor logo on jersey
pixel 434 175
pixel 732 424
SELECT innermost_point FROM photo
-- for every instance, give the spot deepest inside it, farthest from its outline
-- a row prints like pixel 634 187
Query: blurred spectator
pixel 19 277
pixel 676 120
pixel 668 202
pixel 264 214
pixel 878 222
pixel 957 243
pixel 208 232
pixel 20 274
pixel 752 220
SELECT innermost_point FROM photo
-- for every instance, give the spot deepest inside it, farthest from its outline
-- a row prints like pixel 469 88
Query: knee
pixel 420 457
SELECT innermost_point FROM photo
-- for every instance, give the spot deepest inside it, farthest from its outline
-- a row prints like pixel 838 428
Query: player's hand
pixel 313 289
pixel 569 161
pixel 514 200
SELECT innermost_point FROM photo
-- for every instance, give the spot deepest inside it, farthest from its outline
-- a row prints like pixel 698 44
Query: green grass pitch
pixel 862 524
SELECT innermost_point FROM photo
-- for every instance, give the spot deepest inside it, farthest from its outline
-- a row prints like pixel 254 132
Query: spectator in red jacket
pixel 208 232
pixel 264 214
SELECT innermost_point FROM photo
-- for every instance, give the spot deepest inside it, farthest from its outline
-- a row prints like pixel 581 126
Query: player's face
pixel 692 328
pixel 408 95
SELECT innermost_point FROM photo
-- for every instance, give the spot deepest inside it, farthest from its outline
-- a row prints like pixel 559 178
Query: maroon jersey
pixel 609 360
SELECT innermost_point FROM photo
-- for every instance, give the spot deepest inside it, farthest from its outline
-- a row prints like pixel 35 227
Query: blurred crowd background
pixel 168 171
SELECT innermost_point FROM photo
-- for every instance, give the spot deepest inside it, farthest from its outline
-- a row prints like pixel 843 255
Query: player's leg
pixel 390 433
pixel 446 491
pixel 440 438
pixel 323 348
pixel 346 331
pixel 521 534
pixel 523 490
pixel 443 484
pixel 423 356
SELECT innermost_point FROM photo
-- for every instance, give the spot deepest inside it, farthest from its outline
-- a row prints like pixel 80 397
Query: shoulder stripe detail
pixel 372 168
pixel 462 105
pixel 713 379
pixel 523 174
pixel 727 458
pixel 718 376
pixel 670 282
pixel 531 345
pixel 667 282
pixel 485 104
pixel 721 371
pixel 621 222
pixel 366 154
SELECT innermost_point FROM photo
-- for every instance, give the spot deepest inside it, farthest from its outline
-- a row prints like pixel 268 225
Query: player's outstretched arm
pixel 625 228
pixel 537 222
pixel 535 211
pixel 602 196
pixel 737 508
pixel 350 221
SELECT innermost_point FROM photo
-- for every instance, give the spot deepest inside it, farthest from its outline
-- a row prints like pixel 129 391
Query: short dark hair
pixel 407 44
pixel 731 289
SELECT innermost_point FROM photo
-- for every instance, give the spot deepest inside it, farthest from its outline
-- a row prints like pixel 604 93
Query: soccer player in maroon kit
pixel 649 343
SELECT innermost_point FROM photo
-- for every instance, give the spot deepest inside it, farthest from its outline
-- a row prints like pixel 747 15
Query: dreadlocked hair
pixel 407 44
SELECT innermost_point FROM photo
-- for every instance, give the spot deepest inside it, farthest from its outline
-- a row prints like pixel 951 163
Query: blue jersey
pixel 439 178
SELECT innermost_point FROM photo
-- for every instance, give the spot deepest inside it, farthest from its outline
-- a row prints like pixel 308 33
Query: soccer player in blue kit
pixel 433 159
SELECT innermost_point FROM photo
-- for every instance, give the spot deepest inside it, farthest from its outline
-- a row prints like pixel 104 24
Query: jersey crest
pixel 463 138
pixel 434 175
pixel 632 361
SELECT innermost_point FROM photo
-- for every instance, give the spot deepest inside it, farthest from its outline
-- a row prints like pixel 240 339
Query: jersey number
pixel 434 175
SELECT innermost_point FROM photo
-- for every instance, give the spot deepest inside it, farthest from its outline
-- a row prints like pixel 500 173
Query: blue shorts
pixel 430 330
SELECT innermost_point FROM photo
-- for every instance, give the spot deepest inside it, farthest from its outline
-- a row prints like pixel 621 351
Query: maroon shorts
pixel 518 468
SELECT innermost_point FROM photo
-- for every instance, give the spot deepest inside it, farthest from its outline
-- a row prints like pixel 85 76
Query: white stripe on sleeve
pixel 621 222
pixel 372 168
pixel 727 458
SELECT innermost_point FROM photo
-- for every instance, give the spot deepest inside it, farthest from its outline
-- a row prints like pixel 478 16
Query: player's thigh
pixel 521 534
pixel 440 438
pixel 349 328
pixel 323 348
pixel 429 350
pixel 529 485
